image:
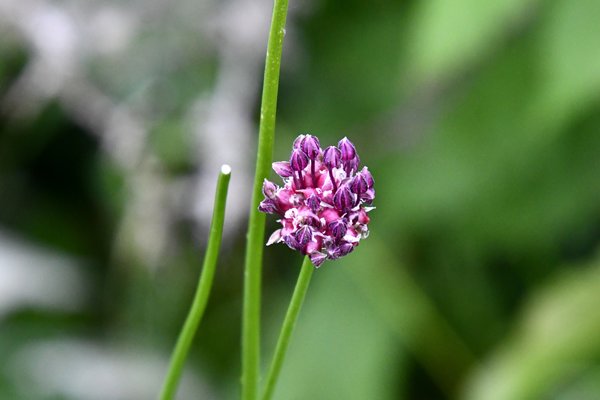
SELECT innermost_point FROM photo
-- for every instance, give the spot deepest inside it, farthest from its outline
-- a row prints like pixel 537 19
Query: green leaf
pixel 555 344
pixel 448 35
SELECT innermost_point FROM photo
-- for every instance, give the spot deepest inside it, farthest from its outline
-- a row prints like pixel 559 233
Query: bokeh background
pixel 479 120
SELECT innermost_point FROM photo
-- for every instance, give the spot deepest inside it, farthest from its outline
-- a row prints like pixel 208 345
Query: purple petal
pixel 346 248
pixel 369 196
pixel 367 174
pixel 304 235
pixel 292 243
pixel 341 250
pixel 269 189
pixel 351 165
pixel 309 218
pixel 275 237
pixel 313 203
pixel 283 169
pixel 268 206
pixel 317 258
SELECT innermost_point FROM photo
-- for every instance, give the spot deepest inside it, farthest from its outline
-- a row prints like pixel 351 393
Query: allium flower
pixel 324 202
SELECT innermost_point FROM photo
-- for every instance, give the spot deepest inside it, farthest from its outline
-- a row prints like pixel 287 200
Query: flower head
pixel 324 202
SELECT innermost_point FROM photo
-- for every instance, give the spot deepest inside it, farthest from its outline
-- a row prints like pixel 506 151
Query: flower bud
pixel 332 157
pixel 298 142
pixel 338 229
pixel 269 189
pixel 359 184
pixel 317 258
pixel 367 174
pixel 343 199
pixel 311 146
pixel 268 206
pixel 298 160
pixel 347 149
pixel 341 250
pixel 351 165
pixel 303 235
pixel 283 169
pixel 292 243
pixel 368 196
pixel 313 203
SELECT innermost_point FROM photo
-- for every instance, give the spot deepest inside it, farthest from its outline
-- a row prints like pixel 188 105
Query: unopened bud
pixel 359 184
pixel 311 146
pixel 338 229
pixel 347 148
pixel 269 189
pixel 343 199
pixel 332 157
pixel 298 160
pixel 303 235
pixel 283 169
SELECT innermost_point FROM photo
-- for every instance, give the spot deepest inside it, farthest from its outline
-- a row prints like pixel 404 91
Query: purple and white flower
pixel 324 202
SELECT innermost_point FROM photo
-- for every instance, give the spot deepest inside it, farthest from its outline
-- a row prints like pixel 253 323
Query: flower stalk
pixel 288 327
pixel 256 224
pixel 202 291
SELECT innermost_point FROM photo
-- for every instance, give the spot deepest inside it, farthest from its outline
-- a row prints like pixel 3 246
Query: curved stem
pixel 288 326
pixel 256 224
pixel 202 291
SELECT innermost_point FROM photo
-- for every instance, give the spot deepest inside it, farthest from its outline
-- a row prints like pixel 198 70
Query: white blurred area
pixel 67 43
pixel 32 277
pixel 76 369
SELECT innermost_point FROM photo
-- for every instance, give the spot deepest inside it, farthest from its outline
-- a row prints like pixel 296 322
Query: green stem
pixel 256 224
pixel 203 290
pixel 288 326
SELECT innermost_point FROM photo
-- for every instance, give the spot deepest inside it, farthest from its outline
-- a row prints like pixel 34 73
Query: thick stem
pixel 256 224
pixel 288 327
pixel 202 291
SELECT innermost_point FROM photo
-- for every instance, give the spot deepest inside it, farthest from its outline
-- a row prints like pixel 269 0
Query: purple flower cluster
pixel 324 201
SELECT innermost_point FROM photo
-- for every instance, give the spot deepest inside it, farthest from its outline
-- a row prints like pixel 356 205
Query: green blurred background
pixel 480 122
